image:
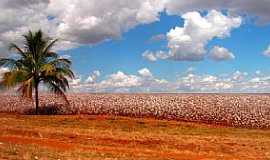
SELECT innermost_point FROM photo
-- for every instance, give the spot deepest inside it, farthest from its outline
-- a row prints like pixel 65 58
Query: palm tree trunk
pixel 36 97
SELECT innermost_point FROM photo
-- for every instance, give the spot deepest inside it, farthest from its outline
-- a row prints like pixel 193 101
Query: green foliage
pixel 36 63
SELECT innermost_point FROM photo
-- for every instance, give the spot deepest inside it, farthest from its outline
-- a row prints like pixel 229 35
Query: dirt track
pixel 106 137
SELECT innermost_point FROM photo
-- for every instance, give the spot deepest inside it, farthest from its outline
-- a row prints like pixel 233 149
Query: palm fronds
pixel 36 64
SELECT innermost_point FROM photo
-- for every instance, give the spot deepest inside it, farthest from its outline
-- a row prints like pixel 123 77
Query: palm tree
pixel 34 64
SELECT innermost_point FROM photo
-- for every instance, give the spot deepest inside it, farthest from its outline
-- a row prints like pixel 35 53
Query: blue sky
pixel 247 42
pixel 125 54
pixel 152 45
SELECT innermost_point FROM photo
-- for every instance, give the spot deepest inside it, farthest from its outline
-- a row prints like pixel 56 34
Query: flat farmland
pixel 137 126
pixel 236 110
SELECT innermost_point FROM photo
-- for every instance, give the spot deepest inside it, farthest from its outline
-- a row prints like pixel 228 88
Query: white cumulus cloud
pixel 145 81
pixel 74 22
pixel 122 82
pixel 188 43
pixel 154 56
pixel 93 76
pixel 218 53
pixel 145 72
pixel 84 22
pixel 252 8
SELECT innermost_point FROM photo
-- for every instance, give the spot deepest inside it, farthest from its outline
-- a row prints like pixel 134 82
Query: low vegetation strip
pixel 237 110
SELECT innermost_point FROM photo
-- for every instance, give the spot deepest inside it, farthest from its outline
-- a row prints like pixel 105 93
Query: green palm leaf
pixel 36 64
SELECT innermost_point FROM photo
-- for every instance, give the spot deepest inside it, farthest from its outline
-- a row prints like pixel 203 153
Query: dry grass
pixel 107 137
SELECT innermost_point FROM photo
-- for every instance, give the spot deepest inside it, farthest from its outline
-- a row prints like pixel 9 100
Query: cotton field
pixel 238 110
